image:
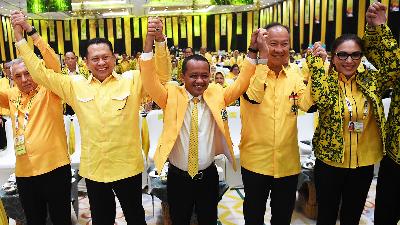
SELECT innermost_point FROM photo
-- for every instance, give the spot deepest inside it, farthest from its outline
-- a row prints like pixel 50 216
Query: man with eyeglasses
pixel 107 106
pixel 269 152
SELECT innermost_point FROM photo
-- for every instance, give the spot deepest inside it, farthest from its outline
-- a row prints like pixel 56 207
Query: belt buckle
pixel 198 176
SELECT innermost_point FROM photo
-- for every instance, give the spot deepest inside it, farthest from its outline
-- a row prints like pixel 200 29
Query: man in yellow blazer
pixel 195 130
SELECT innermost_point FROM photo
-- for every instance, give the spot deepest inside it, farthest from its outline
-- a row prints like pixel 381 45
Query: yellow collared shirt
pixel 108 114
pixel 4 85
pixel 269 143
pixel 45 139
pixel 361 149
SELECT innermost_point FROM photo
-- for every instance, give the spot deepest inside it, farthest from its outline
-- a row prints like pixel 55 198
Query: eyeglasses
pixel 354 55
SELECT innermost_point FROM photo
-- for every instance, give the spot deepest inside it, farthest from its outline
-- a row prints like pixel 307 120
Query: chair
pixel 386 105
pixel 234 178
pixel 305 132
pixel 155 125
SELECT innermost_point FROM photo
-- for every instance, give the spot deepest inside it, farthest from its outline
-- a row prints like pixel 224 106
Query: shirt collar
pixel 284 71
pixel 190 96
pixel 344 79
pixel 113 75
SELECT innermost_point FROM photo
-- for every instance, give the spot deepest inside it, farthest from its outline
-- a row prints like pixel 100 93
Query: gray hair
pixel 15 62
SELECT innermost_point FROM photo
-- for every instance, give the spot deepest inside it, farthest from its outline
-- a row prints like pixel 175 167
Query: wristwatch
pixel 253 50
pixel 33 31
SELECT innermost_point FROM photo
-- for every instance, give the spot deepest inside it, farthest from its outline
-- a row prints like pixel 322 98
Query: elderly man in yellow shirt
pixel 43 171
pixel 269 152
pixel 107 106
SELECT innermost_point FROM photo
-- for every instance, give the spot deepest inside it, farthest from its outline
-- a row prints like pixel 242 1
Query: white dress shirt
pixel 179 154
pixel 72 73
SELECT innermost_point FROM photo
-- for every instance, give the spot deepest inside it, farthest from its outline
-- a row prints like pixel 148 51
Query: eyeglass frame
pixel 351 55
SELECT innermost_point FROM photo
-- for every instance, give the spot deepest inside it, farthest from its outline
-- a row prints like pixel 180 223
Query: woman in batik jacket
pixel 350 136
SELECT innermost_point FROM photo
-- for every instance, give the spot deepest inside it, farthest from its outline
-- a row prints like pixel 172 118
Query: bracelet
pixel 253 50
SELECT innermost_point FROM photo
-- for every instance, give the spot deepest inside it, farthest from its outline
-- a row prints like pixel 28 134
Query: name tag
pixel 356 127
pixel 20 145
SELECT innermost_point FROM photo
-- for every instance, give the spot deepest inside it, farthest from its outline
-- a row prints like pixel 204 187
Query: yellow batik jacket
pixel 384 53
pixel 328 141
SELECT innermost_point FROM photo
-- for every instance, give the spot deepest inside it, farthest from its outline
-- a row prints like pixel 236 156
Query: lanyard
pixel 26 113
pixel 350 108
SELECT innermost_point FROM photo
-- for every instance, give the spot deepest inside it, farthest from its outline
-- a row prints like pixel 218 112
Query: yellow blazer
pixel 174 102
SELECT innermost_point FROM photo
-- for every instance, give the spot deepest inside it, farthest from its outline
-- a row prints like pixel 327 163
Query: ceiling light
pixel 115 14
pixel 100 2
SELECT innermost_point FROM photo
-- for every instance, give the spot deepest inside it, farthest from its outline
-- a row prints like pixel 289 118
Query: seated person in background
pixel 195 130
pixel 234 72
pixel 220 79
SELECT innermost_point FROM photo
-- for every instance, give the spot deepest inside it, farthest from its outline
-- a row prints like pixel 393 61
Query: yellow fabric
pixel 237 61
pixel 193 156
pixel 306 72
pixel 4 85
pixel 174 101
pixel 3 215
pixel 361 149
pixel 269 129
pixel 108 111
pixel 71 141
pixel 145 137
pixel 45 140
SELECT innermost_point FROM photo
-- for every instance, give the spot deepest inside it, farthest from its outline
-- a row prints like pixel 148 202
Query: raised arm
pixel 322 83
pixel 382 49
pixel 60 85
pixel 148 65
pixel 241 84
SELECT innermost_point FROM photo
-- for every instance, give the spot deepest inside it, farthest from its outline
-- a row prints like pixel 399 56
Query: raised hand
pixel 262 43
pixel 253 40
pixel 376 14
pixel 319 51
pixel 19 18
pixel 155 27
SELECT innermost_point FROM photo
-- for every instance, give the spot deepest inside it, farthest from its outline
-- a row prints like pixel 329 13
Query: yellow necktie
pixel 193 156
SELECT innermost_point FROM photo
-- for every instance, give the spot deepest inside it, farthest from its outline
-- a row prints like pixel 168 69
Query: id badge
pixel 358 127
pixel 20 145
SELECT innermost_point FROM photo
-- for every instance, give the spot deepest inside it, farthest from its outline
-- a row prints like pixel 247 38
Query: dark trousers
pixel 184 193
pixel 102 200
pixel 50 191
pixel 341 185
pixel 387 208
pixel 257 188
pixel 3 137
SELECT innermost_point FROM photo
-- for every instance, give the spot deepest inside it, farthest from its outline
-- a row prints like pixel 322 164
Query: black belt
pixel 198 176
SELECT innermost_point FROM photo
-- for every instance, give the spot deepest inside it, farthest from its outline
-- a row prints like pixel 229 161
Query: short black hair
pixel 276 24
pixel 346 37
pixel 233 66
pixel 194 57
pixel 96 41
pixel 191 49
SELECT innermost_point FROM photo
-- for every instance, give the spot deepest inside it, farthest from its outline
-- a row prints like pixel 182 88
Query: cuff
pixel 21 42
pixel 252 61
pixel 145 56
